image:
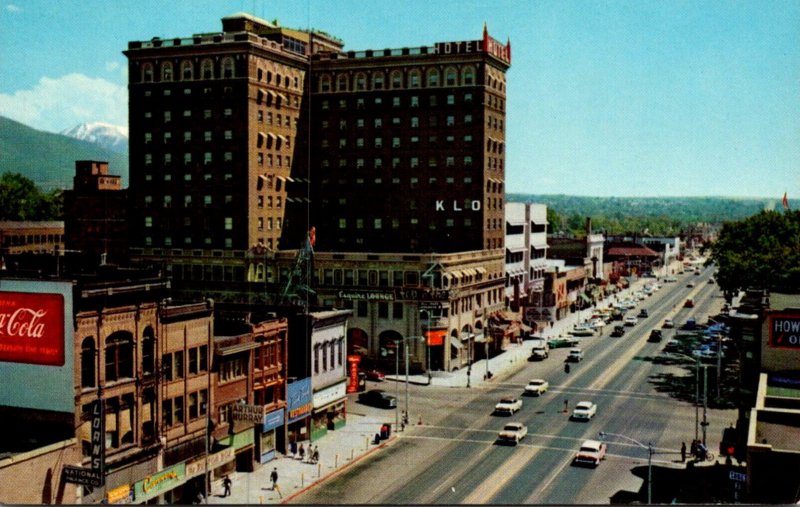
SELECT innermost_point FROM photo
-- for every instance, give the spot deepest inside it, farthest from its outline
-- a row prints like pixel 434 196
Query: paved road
pixel 451 459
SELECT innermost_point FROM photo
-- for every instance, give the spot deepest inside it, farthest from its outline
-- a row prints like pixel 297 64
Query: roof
pixel 32 224
pixel 631 251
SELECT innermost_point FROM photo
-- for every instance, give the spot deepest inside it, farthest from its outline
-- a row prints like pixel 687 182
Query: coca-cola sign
pixel 32 328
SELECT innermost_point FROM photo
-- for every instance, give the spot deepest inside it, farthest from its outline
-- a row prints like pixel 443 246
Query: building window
pixel 88 363
pixel 228 223
pixel 149 351
pixel 119 356
pixel 433 78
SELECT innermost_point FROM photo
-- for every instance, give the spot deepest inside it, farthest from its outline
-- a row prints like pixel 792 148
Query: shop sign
pixel 352 379
pixel 784 330
pixel 154 484
pixel 198 466
pixel 299 399
pixel 80 475
pixel 273 420
pixel 32 328
pixel 328 395
pixel 436 337
pixel 120 495
pixel 352 295
pixel 248 413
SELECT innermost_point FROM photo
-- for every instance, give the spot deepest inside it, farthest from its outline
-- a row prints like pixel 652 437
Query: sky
pixel 604 98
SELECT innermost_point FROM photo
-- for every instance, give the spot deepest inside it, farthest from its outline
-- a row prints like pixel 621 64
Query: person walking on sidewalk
pixel 683 452
pixel 302 452
pixel 274 478
pixel 226 483
pixel 315 455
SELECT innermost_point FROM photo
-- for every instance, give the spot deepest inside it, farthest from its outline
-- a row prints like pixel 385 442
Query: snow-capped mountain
pixel 111 137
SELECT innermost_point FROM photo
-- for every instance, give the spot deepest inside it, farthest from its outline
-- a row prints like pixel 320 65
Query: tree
pixel 760 252
pixel 20 199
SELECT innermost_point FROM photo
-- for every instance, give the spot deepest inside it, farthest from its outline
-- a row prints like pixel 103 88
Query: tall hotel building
pixel 243 140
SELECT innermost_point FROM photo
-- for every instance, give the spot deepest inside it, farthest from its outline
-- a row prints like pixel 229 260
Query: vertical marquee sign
pixel 32 328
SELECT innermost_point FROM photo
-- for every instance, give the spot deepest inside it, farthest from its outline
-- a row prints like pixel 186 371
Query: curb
pixel 333 473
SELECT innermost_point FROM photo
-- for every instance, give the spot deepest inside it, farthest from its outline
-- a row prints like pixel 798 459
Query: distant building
pixel 526 252
pixel 29 237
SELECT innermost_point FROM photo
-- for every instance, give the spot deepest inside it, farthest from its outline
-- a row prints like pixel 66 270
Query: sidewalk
pixel 341 448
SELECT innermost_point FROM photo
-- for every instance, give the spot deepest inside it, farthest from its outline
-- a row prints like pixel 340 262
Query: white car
pixel 582 330
pixel 597 323
pixel 508 405
pixel 575 355
pixel 668 324
pixel 584 410
pixel 631 321
pixel 537 387
pixel 512 432
pixel 590 453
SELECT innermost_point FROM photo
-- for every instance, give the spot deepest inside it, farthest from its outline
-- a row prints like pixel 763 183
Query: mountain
pixel 49 159
pixel 111 137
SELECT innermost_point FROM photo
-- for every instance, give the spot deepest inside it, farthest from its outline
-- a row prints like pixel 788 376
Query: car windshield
pixel 511 427
pixel 583 405
pixel 536 382
pixel 586 448
pixel 507 400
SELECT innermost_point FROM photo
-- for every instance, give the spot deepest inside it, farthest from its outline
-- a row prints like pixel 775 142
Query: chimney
pixel 588 226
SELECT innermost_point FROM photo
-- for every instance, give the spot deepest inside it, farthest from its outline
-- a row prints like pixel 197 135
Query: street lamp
pixel 698 365
pixel 397 371
pixel 650 453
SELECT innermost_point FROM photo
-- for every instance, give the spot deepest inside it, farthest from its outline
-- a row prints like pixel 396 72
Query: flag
pixel 785 201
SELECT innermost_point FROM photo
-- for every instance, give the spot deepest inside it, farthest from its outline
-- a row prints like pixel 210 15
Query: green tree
pixel 20 199
pixel 762 251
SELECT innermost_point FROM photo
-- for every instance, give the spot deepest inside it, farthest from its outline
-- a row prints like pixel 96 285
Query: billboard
pixel 37 345
pixel 784 330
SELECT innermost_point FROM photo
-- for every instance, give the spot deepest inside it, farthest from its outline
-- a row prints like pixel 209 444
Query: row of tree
pixel 21 199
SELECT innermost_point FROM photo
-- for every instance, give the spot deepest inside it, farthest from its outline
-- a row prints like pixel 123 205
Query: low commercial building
pixel 31 237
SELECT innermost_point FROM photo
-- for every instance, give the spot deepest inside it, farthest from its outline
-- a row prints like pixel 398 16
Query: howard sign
pixel 32 328
pixel 784 330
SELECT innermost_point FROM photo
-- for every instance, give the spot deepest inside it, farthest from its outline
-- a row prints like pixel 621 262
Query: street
pixel 451 458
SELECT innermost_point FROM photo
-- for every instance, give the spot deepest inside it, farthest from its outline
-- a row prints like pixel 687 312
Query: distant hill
pixel 49 159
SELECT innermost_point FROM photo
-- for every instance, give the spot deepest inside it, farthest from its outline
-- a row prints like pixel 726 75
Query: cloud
pixel 13 8
pixel 55 104
pixel 112 66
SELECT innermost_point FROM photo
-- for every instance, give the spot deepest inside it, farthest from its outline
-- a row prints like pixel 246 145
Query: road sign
pixel 85 476
pixel 737 476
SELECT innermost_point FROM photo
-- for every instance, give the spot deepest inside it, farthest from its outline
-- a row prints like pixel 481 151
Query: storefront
pixel 268 438
pixel 243 444
pixel 329 409
pixel 161 483
pixel 300 406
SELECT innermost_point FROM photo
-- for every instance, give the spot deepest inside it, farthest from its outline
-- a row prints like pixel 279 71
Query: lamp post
pixel 650 453
pixel 697 422
pixel 404 341
pixel 396 380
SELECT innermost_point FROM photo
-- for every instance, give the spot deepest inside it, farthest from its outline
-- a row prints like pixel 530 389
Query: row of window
pixel 377 80
pixel 208 177
pixel 188 241
pixel 208 136
pixel 331 354
pixel 378 223
pixel 385 309
pixel 173 367
pixel 180 409
pixel 11 239
pixel 208 200
pixel 208 158
pixel 413 101
pixel 208 70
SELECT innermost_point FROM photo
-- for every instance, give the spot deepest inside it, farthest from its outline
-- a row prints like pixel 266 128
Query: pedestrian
pixel 683 452
pixel 274 478
pixel 302 452
pixel 293 448
pixel 315 455
pixel 566 406
pixel 227 483
pixel 694 448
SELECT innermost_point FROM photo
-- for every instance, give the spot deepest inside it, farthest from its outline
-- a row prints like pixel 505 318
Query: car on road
pixel 618 331
pixel 584 411
pixel 643 313
pixel 690 284
pixel 668 324
pixel 592 452
pixel 710 281
pixel 512 433
pixel 689 303
pixel 672 346
pixel 378 398
pixel 537 387
pixel 670 279
pixel 655 336
pixel 508 405
pixel 582 330
pixel 631 320
pixel 562 342
pixel 375 375
pixel 575 355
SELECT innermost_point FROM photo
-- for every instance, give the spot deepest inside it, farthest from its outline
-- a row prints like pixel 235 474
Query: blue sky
pixel 619 98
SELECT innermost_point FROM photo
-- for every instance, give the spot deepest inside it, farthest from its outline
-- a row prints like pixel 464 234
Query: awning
pixel 465 335
pixel 455 343
pixel 237 348
pixel 455 274
pixel 481 338
pixel 481 270
pixel 470 272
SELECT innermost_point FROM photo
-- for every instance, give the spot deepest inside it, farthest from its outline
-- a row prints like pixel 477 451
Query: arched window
pixel 341 83
pixel 147 73
pixel 119 356
pixel 166 71
pixel 468 76
pixel 88 362
pixel 450 76
pixel 377 81
pixel 433 77
pixel 414 79
pixel 207 69
pixel 148 352
pixel 269 76
pixel 325 83
pixel 277 79
pixel 187 71
pixel 286 81
pixel 397 79
pixel 227 68
pixel 361 82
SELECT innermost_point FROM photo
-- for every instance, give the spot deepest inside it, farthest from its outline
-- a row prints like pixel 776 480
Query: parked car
pixel 537 387
pixel 643 313
pixel 668 324
pixel 618 331
pixel 584 410
pixel 508 405
pixel 631 320
pixel 575 355
pixel 512 433
pixel 377 376
pixel 377 398
pixel 672 346
pixel 592 452
pixel 655 336
pixel 688 304
pixel 582 330
pixel 670 279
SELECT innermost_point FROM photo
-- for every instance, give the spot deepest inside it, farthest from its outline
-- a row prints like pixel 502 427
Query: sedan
pixel 375 375
pixel 631 320
pixel 508 405
pixel 537 387
pixel 618 331
pixel 512 433
pixel 592 452
pixel 378 398
pixel 584 411
pixel 668 324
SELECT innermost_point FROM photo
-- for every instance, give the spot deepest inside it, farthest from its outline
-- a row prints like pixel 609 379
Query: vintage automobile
pixel 377 398
pixel 591 453
pixel 618 331
pixel 508 405
pixel 584 411
pixel 575 355
pixel 537 387
pixel 512 433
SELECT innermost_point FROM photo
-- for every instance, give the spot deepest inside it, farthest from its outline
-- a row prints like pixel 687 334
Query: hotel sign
pixel 32 328
pixel 487 45
pixel 784 330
